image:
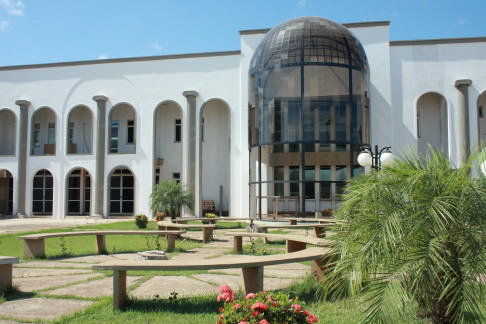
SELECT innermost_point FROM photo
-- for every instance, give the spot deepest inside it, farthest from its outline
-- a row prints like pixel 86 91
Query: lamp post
pixel 377 159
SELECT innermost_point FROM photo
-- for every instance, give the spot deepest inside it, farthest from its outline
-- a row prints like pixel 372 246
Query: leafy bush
pixel 413 232
pixel 159 216
pixel 262 308
pixel 141 221
pixel 210 215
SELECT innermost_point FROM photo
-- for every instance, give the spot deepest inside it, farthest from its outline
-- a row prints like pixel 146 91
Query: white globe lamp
pixel 364 158
pixel 386 158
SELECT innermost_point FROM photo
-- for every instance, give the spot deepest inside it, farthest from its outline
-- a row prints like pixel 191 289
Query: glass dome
pixel 308 114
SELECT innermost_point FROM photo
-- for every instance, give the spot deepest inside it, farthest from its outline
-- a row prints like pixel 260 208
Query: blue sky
pixel 47 31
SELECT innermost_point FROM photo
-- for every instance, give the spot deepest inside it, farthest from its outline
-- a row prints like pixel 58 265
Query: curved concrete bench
pixel 34 244
pixel 252 268
pixel 295 220
pixel 6 263
pixel 207 228
pixel 319 229
pixel 293 242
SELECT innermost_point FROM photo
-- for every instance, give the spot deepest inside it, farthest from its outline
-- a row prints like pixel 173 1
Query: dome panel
pixel 309 40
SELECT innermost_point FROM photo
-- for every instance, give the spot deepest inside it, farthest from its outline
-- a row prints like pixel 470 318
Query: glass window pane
pixel 310 178
pixel 127 207
pixel 325 175
pixel 294 176
pixel 115 207
pixel 115 182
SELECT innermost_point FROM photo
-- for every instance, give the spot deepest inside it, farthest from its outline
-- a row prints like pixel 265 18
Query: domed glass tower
pixel 308 116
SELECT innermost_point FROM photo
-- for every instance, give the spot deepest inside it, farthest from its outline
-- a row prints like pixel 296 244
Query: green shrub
pixel 159 216
pixel 141 221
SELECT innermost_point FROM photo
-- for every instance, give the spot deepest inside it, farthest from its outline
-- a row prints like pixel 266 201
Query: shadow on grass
pixel 14 293
pixel 189 305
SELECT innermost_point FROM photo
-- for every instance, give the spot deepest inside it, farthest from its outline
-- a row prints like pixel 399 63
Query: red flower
pixel 221 309
pixel 306 313
pixel 259 306
pixel 263 321
pixel 243 322
pixel 255 313
pixel 236 306
pixel 311 319
pixel 297 308
pixel 251 295
pixel 275 303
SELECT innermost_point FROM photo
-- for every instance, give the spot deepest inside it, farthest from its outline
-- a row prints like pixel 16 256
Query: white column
pixel 462 120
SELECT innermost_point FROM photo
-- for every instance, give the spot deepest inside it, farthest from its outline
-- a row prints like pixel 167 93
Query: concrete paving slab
pixel 52 264
pixel 91 289
pixel 165 285
pixel 37 272
pixel 100 258
pixel 234 281
pixel 37 283
pixel 41 308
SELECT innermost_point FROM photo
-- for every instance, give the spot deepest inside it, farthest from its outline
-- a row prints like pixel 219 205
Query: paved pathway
pixel 70 279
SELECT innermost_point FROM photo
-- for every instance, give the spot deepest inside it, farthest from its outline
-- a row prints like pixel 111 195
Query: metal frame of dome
pixel 309 41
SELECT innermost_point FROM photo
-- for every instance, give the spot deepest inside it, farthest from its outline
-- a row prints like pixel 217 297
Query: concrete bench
pixel 34 244
pixel 210 220
pixel 252 268
pixel 293 242
pixel 6 272
pixel 206 228
pixel 319 229
pixel 295 220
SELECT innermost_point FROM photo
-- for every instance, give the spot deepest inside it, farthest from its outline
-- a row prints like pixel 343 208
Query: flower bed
pixel 262 308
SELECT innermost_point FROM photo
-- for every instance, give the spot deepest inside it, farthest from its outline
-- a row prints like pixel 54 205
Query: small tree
pixel 171 196
pixel 413 234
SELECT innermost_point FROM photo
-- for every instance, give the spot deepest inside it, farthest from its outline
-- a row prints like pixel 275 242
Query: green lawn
pixel 202 309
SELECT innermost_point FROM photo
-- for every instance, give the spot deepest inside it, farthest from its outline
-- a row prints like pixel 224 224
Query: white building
pixel 93 137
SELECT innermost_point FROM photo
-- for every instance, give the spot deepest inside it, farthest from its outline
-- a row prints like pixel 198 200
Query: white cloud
pixel 102 57
pixel 156 46
pixel 302 4
pixel 4 25
pixel 13 7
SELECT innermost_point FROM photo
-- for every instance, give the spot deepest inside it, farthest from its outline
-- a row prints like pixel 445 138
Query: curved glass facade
pixel 308 115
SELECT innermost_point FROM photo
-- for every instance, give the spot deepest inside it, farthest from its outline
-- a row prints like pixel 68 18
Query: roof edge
pixel 120 60
pixel 347 25
pixel 439 41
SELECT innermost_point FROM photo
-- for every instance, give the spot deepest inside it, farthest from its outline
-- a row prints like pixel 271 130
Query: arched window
pixel 42 193
pixel 6 192
pixel 122 192
pixel 8 131
pixel 43 135
pixel 78 192
pixel 432 127
pixel 122 129
pixel 80 131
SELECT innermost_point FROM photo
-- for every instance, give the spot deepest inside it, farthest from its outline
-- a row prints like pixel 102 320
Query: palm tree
pixel 171 196
pixel 413 234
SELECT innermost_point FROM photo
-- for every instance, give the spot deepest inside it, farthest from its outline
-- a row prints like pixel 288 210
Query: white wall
pixel 418 69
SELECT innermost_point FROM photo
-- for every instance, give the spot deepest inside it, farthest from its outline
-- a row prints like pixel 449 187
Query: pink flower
pixel 311 319
pixel 297 308
pixel 255 313
pixel 236 306
pixel 263 321
pixel 275 303
pixel 221 309
pixel 306 313
pixel 251 295
pixel 243 322
pixel 224 288
pixel 227 296
pixel 259 306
